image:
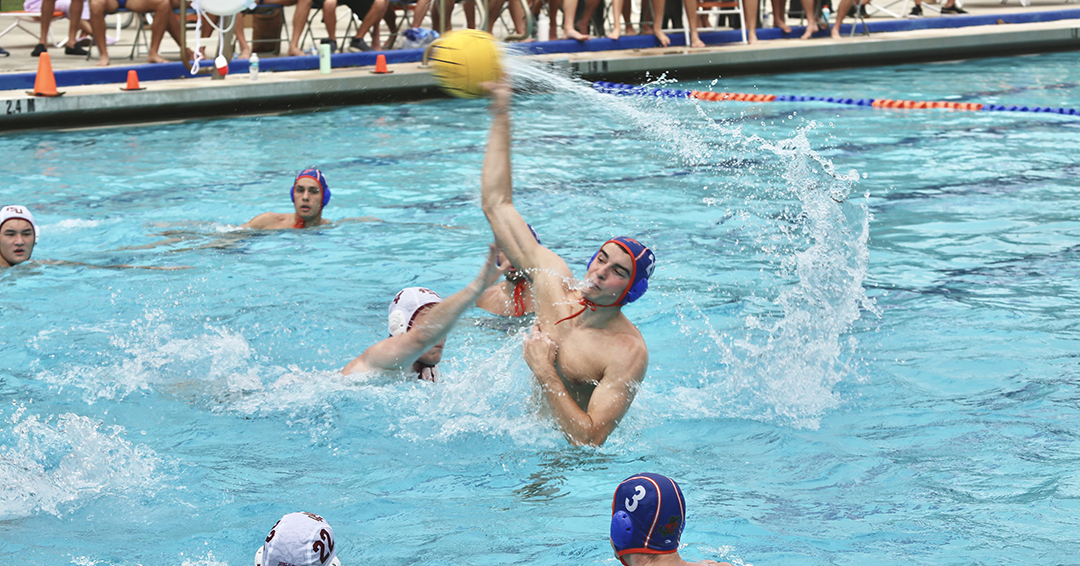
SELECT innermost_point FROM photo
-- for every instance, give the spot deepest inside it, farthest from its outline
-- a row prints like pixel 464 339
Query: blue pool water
pixel 863 329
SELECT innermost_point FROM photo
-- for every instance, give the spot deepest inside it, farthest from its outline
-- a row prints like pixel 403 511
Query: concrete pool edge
pixel 178 99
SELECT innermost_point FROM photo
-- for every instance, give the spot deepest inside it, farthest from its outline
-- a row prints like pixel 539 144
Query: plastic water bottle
pixel 825 15
pixel 253 67
pixel 324 58
pixel 542 28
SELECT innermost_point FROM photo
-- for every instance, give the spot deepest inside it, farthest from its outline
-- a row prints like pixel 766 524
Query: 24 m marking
pixel 19 106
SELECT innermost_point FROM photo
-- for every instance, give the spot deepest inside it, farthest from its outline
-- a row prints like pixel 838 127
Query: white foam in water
pixel 207 560
pixel 73 224
pixel 49 465
pixel 217 362
pixel 783 365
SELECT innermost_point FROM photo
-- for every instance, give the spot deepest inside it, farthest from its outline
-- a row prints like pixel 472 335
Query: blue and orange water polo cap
pixel 318 177
pixel 647 515
pixel 644 263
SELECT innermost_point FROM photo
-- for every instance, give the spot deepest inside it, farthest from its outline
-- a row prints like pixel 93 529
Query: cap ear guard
pixel 622 530
pixel 636 291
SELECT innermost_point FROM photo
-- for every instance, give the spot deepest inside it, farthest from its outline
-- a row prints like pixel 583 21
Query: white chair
pixel 713 8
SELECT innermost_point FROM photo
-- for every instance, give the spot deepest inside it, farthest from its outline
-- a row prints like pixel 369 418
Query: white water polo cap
pixel 15 211
pixel 299 539
pixel 405 305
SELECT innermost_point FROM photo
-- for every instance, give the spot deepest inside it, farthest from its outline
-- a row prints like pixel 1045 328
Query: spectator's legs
pixel 553 17
pixel 47 9
pixel 422 7
pixel 517 15
pixel 586 16
pixel 779 16
pixel 616 14
pixel 494 9
pixel 810 9
pixel 299 22
pixel 841 11
pixel 646 17
pixel 241 41
pixel 75 22
pixel 692 21
pixel 163 19
pixel 329 18
pixel 628 15
pixel 658 21
pixel 373 15
pixel 569 8
pixel 470 14
pixel 98 9
pixel 750 9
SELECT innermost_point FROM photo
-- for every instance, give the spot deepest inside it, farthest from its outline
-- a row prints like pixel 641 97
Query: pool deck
pixel 92 96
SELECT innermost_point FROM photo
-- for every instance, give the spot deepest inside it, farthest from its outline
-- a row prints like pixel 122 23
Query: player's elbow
pixel 591 436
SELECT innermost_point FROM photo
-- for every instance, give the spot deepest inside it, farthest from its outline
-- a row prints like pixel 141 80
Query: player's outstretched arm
pixel 609 402
pixel 399 352
pixel 496 188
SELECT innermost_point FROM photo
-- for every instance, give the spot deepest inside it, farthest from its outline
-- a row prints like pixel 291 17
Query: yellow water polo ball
pixel 465 59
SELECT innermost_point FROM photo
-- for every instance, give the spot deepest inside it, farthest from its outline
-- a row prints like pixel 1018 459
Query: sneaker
pixel 4 53
pixel 333 46
pixel 358 44
pixel 38 50
pixel 916 11
pixel 954 9
pixel 75 51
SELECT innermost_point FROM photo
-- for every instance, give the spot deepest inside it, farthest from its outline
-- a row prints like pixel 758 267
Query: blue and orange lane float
pixel 619 89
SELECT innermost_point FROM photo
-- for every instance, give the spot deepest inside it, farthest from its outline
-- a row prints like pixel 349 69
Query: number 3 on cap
pixel 631 507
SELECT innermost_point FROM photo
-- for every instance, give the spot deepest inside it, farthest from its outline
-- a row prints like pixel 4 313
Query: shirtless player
pixel 588 357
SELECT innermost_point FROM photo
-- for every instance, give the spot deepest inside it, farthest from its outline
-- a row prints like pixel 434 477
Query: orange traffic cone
pixel 45 82
pixel 380 65
pixel 133 81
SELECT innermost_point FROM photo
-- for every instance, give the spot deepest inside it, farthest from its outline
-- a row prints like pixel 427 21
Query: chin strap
pixel 519 298
pixel 299 223
pixel 586 304
pixel 428 373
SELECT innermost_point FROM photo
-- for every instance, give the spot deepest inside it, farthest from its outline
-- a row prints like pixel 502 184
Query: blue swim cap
pixel 644 262
pixel 312 173
pixel 647 515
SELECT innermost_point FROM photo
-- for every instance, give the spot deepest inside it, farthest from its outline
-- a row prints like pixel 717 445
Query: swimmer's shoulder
pixel 266 221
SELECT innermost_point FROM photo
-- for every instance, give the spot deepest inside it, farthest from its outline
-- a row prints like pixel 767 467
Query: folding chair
pixel 407 9
pixel 22 16
pixel 140 35
pixel 711 8
pixel 267 9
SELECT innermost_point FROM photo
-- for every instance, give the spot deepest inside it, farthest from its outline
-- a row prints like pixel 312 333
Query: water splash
pixel 807 242
pixel 50 465
pixel 153 358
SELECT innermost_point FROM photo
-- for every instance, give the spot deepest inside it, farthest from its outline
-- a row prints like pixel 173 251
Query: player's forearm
pixel 577 425
pixel 495 182
pixel 437 322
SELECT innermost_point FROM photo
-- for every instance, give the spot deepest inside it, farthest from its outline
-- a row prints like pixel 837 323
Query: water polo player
pixel 648 514
pixel 419 321
pixel 588 357
pixel 299 539
pixel 310 195
pixel 18 235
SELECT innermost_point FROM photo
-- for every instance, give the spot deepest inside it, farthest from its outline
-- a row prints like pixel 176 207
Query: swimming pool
pixel 862 330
